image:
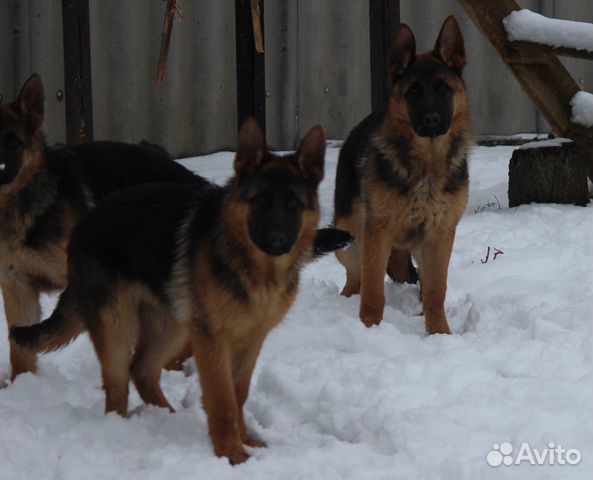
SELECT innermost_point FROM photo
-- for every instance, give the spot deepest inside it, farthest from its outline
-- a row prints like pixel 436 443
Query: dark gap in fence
pixel 384 17
pixel 77 71
pixel 251 81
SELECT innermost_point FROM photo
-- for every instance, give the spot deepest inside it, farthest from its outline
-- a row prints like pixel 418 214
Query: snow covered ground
pixel 336 400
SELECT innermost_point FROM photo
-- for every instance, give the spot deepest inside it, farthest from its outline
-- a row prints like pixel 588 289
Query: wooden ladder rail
pixel 537 69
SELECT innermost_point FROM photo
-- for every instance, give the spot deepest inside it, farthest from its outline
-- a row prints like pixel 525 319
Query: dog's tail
pixel 61 328
pixel 329 240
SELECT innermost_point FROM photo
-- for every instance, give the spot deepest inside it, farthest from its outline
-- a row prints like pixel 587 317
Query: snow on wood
pixel 554 142
pixel 582 108
pixel 529 26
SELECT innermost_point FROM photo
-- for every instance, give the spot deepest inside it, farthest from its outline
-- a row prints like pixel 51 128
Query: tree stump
pixel 547 174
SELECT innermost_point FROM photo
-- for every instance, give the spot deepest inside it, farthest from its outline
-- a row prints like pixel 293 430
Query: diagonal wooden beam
pixel 541 75
pixel 558 51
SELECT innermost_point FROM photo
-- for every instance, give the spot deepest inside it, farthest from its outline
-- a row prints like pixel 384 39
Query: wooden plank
pixel 251 80
pixel 77 71
pixel 170 10
pixel 384 18
pixel 548 84
pixel 546 81
pixel 257 26
pixel 547 50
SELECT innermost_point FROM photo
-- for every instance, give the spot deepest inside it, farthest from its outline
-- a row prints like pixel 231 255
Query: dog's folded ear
pixel 403 53
pixel 252 146
pixel 30 101
pixel 311 155
pixel 450 47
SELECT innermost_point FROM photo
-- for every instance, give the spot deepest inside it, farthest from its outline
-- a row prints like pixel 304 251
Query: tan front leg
pixel 351 257
pixel 213 359
pixel 376 247
pixel 21 304
pixel 433 259
pixel 243 365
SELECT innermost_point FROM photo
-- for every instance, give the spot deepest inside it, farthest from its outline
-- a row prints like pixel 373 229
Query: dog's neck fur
pixel 421 157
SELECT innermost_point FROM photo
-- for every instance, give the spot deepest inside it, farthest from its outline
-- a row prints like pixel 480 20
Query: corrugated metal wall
pixel 317 68
pixel 31 41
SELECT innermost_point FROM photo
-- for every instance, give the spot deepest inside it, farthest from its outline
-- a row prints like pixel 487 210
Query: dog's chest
pixel 414 214
pixel 425 205
pixel 265 309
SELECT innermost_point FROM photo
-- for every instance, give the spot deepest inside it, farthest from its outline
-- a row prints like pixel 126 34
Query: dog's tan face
pixel 21 139
pixel 279 193
pixel 425 86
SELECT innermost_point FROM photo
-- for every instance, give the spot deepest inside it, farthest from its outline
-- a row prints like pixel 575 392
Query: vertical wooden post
pixel 251 72
pixel 383 22
pixel 77 71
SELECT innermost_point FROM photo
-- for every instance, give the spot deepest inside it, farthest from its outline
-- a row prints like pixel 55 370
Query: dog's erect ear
pixel 30 101
pixel 450 46
pixel 311 155
pixel 252 146
pixel 403 53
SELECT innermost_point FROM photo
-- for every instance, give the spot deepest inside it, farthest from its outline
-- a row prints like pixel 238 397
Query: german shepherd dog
pixel 402 178
pixel 158 265
pixel 44 192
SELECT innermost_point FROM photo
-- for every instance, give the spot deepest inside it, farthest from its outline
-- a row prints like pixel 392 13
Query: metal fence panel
pixel 6 52
pixel 36 46
pixel 317 68
pixel 281 50
pixel 195 110
pixel 333 65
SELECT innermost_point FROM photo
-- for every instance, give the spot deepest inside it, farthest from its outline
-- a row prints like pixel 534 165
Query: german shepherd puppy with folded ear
pixel 402 178
pixel 157 265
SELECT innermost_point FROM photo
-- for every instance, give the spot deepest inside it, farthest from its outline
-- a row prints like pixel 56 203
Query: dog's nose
pixel 431 120
pixel 277 239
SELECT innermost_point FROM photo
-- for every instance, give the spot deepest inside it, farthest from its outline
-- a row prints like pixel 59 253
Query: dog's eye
pixel 414 92
pixel 442 88
pixel 261 200
pixel 293 204
pixel 12 142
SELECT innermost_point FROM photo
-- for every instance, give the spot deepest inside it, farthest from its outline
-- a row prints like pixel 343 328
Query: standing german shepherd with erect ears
pixel 44 192
pixel 402 179
pixel 157 265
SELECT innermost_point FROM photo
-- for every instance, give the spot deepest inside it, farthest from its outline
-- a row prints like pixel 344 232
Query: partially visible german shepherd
pixel 44 192
pixel 157 265
pixel 402 178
